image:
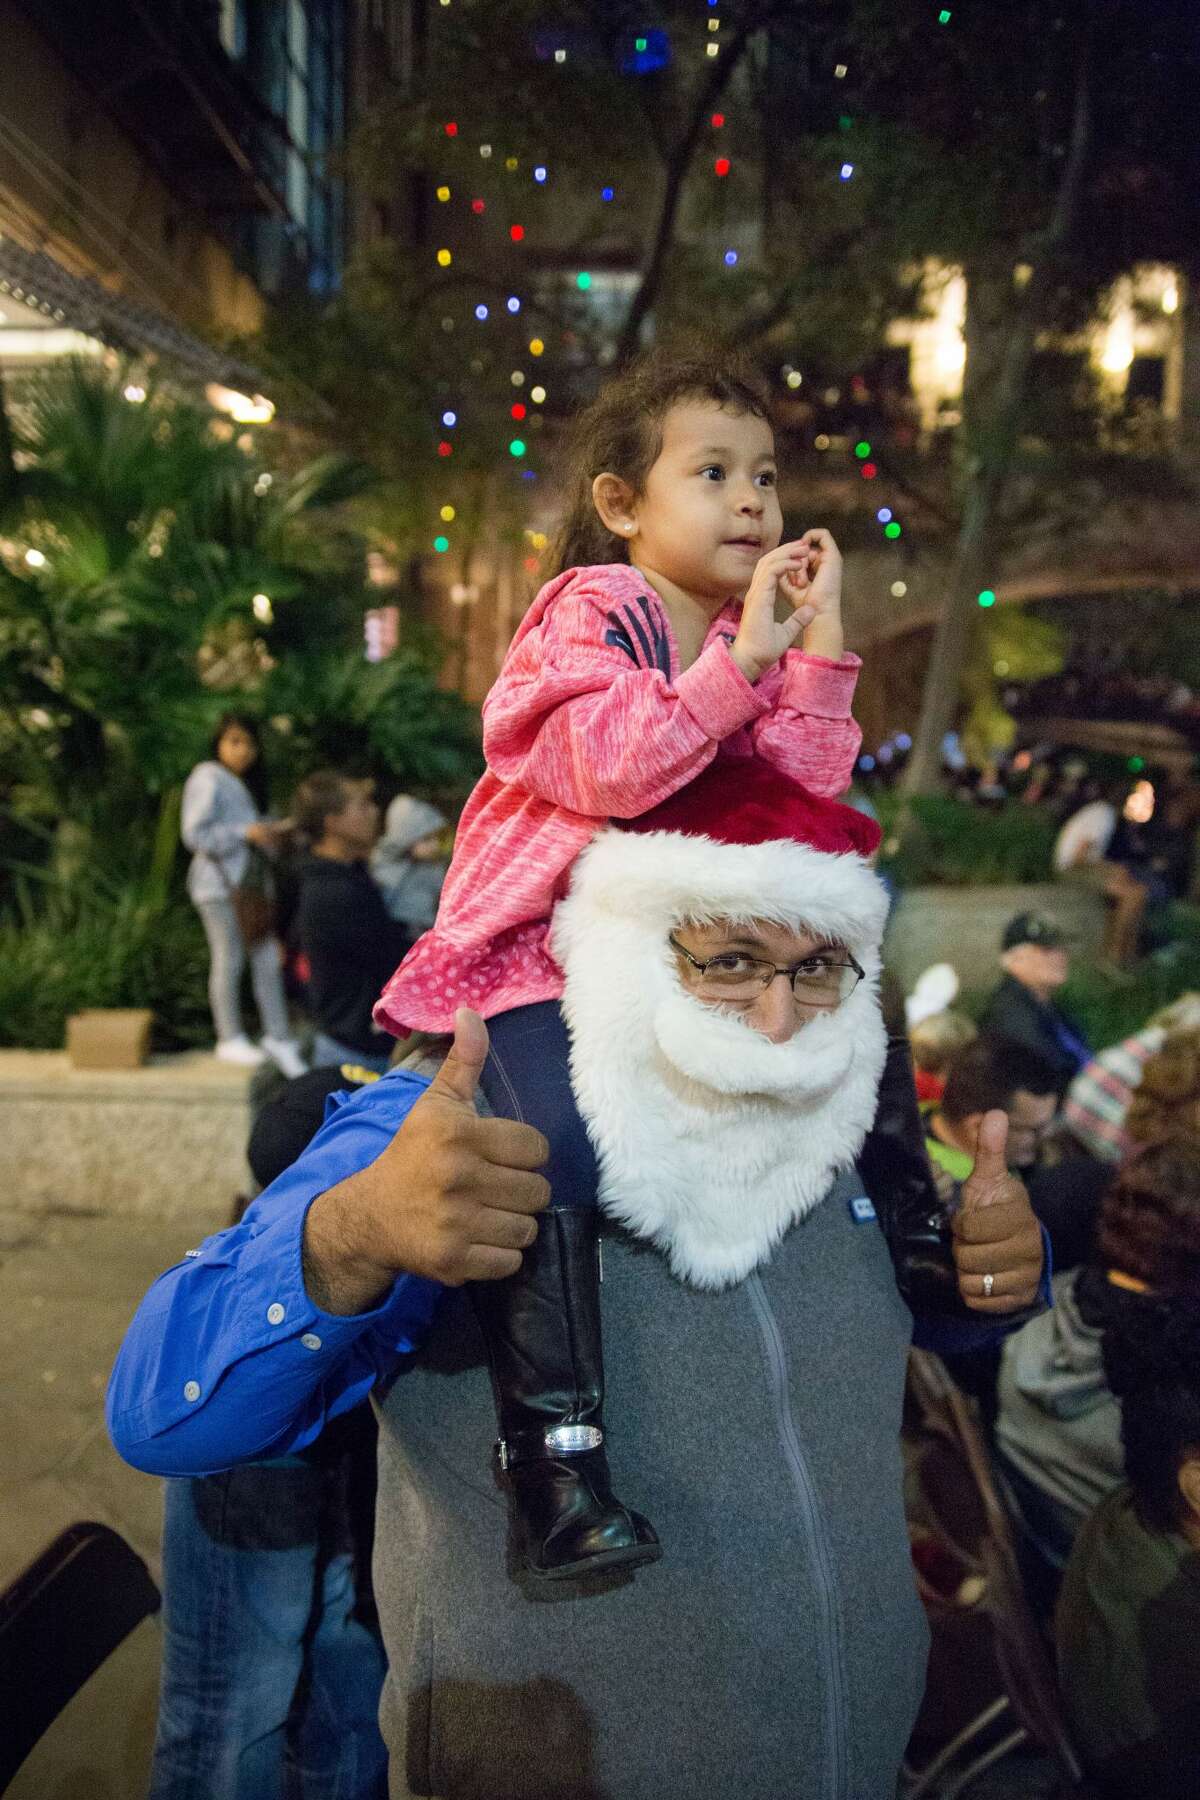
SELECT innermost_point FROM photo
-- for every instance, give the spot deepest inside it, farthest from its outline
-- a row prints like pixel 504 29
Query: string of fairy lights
pixel 647 51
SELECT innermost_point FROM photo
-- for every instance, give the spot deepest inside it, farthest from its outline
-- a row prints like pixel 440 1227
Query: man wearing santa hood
pixel 721 960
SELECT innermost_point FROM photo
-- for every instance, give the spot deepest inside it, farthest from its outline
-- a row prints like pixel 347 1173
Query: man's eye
pixel 815 968
pixel 732 965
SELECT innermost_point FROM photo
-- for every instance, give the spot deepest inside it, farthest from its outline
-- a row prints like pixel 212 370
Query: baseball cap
pixel 1034 928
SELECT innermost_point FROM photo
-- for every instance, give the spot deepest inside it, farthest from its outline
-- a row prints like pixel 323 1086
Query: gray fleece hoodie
pixel 777 1652
pixel 411 890
pixel 1059 1423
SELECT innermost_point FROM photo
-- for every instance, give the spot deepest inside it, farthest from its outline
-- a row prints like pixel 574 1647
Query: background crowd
pixel 1091 1411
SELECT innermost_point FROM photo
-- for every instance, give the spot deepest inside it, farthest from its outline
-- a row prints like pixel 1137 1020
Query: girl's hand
pixel 761 638
pixel 819 587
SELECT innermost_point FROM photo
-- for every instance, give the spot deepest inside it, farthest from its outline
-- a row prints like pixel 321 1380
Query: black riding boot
pixel 542 1329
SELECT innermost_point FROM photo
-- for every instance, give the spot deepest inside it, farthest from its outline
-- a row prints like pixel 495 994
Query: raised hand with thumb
pixel 998 1249
pixel 453 1197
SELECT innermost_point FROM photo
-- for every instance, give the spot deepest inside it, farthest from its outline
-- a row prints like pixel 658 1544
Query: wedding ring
pixel 989 1282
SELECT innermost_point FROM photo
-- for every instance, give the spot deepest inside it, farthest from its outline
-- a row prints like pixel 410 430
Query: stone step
pixel 164 1141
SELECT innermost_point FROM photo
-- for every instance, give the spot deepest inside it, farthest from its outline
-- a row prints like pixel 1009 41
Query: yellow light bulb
pixel 536 346
pixel 444 258
pixel 447 513
pixel 443 193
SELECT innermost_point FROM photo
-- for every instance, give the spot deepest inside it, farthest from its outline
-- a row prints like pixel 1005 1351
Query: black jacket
pixel 1014 1012
pixel 352 946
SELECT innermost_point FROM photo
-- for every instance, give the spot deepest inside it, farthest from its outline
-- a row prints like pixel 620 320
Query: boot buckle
pixel 572 1440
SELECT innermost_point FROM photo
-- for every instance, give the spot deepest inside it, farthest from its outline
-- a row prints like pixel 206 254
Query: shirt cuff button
pixel 311 1341
pixel 191 1390
pixel 276 1314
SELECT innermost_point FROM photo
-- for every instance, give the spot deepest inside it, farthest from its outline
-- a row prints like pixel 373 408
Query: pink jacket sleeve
pixel 570 721
pixel 807 731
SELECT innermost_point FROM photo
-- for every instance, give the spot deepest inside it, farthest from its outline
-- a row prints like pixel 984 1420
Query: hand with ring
pixel 998 1248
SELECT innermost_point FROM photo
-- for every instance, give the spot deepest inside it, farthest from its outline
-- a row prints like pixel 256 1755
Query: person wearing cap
pixel 1036 963
pixel 720 969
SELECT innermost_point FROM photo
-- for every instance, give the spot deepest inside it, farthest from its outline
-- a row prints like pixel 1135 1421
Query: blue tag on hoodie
pixel 862 1211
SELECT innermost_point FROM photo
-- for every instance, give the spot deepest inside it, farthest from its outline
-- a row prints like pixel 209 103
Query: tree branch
pixel 678 164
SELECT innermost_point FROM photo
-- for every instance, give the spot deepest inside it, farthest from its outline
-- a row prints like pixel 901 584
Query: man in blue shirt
pixel 757 1412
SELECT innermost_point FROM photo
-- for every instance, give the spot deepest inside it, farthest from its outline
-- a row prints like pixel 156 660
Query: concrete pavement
pixel 68 1286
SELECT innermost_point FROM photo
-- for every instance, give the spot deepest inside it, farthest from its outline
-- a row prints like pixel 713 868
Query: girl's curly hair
pixel 1150 1219
pixel 1168 1097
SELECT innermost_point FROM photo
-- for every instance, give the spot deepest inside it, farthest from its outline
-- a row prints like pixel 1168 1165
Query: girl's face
pixel 710 508
pixel 237 749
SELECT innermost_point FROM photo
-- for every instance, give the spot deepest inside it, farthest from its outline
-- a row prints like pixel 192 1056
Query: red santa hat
pixel 740 841
pixel 712 1140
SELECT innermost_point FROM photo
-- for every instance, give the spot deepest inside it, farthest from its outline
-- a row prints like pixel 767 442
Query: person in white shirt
pixel 1081 855
pixel 221 823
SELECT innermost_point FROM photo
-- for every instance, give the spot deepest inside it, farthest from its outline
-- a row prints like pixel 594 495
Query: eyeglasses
pixel 820 980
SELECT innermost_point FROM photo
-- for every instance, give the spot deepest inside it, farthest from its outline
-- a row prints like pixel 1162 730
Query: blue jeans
pixel 527 1077
pixel 270 1686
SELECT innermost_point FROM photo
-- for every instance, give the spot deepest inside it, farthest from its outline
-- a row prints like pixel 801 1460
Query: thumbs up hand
pixel 453 1197
pixel 995 1231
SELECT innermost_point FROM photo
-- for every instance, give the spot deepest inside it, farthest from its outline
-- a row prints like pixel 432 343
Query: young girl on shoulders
pixel 678 629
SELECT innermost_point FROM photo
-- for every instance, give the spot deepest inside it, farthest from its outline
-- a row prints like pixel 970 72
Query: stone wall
pixel 165 1141
pixel 963 926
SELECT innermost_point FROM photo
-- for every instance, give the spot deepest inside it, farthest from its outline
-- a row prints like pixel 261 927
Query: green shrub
pixel 63 949
pixel 954 844
pixel 1111 1006
pixel 102 921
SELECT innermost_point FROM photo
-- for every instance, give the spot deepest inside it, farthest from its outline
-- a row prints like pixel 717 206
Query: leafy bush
pixel 955 844
pixel 103 921
pixel 1111 1006
pixel 71 950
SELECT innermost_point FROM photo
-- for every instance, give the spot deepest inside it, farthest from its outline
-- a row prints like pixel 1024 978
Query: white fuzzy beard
pixel 712 1141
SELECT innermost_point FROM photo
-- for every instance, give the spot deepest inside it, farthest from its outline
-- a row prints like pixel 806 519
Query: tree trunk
pixel 999 352
pixel 1003 321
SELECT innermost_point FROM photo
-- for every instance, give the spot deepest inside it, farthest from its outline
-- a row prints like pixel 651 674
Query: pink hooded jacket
pixel 593 719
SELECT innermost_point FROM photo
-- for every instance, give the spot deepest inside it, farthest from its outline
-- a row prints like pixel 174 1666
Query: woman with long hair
pixel 223 826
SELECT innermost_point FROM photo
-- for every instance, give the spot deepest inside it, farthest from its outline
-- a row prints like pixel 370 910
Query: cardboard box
pixel 109 1038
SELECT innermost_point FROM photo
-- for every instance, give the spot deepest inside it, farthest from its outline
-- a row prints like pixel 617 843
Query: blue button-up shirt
pixel 228 1361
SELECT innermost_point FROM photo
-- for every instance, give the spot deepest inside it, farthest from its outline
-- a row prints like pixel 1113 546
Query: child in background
pixel 935 1042
pixel 408 862
pixel 935 1034
pixel 677 629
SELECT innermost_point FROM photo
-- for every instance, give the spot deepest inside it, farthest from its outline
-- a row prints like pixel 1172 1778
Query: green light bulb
pixel 862 450
pixel 987 597
pixel 516 448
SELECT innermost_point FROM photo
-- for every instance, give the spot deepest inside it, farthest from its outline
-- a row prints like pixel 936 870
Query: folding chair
pixel 964 1512
pixel 59 1621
